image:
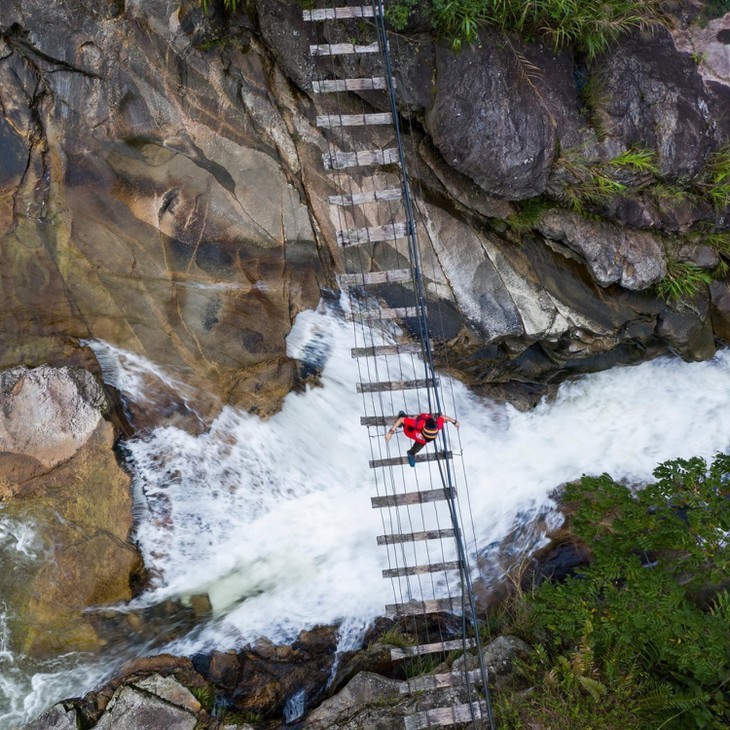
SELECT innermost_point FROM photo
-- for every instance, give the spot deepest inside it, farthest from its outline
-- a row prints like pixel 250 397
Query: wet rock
pixel 177 233
pixel 60 475
pixel 688 329
pixel 57 718
pixel 720 293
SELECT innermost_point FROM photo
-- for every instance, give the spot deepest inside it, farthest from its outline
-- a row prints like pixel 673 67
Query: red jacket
pixel 412 427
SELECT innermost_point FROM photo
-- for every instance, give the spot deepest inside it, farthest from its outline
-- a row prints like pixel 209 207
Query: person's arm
pixel 449 419
pixel 394 428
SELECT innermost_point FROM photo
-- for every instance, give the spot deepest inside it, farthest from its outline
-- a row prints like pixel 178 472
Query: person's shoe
pixel 411 458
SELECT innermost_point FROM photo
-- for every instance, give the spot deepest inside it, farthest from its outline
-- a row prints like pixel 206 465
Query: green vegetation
pixel 683 281
pixel 230 6
pixel 641 637
pixel 205 695
pixel 596 182
pixel 590 26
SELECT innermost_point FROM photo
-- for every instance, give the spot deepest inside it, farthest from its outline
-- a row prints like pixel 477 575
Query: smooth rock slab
pixel 132 709
pixel 168 688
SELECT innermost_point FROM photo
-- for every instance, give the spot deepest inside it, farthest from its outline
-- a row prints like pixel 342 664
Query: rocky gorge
pixel 162 191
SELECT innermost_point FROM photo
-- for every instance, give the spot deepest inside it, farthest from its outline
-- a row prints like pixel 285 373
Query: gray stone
pixel 498 656
pixel 131 709
pixel 489 123
pixel 57 718
pixel 653 97
pixel 168 688
pixel 364 690
pixel 614 255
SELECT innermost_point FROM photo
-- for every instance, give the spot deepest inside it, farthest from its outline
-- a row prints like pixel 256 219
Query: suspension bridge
pixel 430 560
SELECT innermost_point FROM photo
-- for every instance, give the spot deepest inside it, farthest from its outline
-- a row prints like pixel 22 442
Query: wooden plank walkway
pixel 330 86
pixel 390 385
pixel 405 499
pixel 342 13
pixel 377 277
pixel 438 647
pixel 362 158
pixel 397 460
pixel 420 536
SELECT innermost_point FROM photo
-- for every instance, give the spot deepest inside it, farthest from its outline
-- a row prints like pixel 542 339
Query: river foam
pixel 273 520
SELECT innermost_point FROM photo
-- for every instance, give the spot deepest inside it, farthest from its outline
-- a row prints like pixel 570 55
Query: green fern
pixel 682 281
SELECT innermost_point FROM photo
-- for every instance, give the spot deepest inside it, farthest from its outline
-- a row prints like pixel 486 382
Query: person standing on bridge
pixel 422 428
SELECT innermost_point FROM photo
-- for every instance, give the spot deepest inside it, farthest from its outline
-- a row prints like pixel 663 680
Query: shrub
pixel 632 625
pixel 590 26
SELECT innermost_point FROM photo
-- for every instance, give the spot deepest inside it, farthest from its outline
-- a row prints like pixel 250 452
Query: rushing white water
pixel 273 520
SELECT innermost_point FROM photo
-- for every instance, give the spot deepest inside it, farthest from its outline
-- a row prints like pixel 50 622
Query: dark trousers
pixel 416 448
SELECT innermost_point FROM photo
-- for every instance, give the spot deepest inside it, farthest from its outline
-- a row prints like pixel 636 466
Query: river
pixel 272 519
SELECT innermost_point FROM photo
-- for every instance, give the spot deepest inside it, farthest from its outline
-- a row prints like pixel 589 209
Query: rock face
pixel 165 193
pixel 60 482
pixel 489 123
pixel 151 206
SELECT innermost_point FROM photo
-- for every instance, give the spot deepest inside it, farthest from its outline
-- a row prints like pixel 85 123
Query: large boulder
pixel 64 490
pixel 489 122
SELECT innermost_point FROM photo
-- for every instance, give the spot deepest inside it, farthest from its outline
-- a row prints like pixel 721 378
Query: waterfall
pixel 272 519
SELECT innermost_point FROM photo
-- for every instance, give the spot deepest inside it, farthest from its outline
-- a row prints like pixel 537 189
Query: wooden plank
pixel 372 234
pixel 345 13
pixel 396 460
pixel 342 49
pixel 417 608
pixel 408 348
pixel 390 385
pixel 354 120
pixel 428 682
pixel 439 647
pixel 375 196
pixel 415 536
pixel 408 498
pixel 377 315
pixel 363 158
pixel 376 277
pixel 329 86
pixel 421 569
pixel 445 716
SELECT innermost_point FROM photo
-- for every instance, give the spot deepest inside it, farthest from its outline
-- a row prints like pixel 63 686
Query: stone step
pixel 420 536
pixel 376 196
pixel 408 498
pixel 344 13
pixel 418 608
pixel 328 86
pixel 390 385
pixel 428 682
pixel 363 158
pixel 445 716
pixel 397 460
pixel 376 277
pixel 372 234
pixel 354 120
pixel 421 569
pixel 409 348
pixel 342 49
pixel 376 315
pixel 439 647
